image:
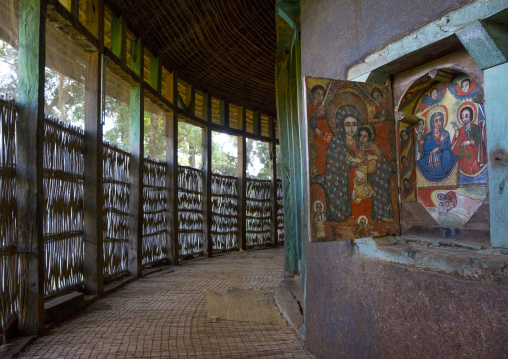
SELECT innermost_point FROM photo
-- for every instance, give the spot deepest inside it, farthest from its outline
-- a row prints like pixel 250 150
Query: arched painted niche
pixel 442 147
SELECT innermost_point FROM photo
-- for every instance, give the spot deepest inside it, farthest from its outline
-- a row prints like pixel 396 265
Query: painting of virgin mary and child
pixel 352 166
pixel 356 170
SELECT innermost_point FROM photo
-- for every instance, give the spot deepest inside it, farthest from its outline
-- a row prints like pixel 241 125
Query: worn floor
pixel 166 315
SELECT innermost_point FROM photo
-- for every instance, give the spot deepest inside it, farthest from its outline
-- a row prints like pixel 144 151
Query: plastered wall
pixel 361 307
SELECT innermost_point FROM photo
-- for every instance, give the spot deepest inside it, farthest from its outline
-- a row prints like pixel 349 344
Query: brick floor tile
pixel 164 315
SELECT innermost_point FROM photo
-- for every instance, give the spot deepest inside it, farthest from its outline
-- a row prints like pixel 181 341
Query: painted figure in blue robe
pixel 437 160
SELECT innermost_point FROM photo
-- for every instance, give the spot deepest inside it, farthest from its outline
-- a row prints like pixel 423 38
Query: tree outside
pixel 9 65
pixel 258 159
pixel 189 145
pixel 224 154
pixel 64 98
pixel 117 123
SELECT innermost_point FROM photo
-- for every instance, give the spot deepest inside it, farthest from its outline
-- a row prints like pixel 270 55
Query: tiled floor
pixel 164 315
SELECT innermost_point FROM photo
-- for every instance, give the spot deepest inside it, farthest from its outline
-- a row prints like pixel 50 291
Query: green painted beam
pixel 496 88
pixel 29 175
pixel 136 135
pixel 154 73
pixel 282 84
pixel 286 18
pixel 116 36
pixel 296 151
pixel 136 56
pixel 483 47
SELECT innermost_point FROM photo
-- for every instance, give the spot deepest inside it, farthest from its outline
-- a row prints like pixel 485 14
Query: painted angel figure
pixel 466 90
pixel 419 138
pixel 434 97
pixel 410 98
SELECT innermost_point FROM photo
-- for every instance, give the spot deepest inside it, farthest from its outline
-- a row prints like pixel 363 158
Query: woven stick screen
pixel 280 211
pixel 116 210
pixel 63 206
pixel 258 212
pixel 154 211
pixel 224 212
pixel 190 211
pixel 9 256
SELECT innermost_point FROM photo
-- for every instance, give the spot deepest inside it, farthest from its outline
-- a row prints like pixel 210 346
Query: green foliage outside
pixel 189 145
pixel 224 154
pixel 65 100
pixel 9 65
pixel 117 122
pixel 155 136
pixel 258 159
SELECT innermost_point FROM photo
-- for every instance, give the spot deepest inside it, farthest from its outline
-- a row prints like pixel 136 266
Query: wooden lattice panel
pixel 190 210
pixel 249 121
pixel 265 126
pixel 63 168
pixel 185 93
pixel 116 209
pixel 9 257
pixel 154 211
pixel 280 211
pixel 217 115
pixel 224 212
pixel 167 85
pixel 235 116
pixel 258 217
pixel 199 105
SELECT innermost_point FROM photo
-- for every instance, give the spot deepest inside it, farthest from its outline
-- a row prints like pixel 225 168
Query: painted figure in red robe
pixel 466 143
pixel 316 116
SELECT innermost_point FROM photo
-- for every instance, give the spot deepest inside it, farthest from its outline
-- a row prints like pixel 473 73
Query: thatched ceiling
pixel 223 46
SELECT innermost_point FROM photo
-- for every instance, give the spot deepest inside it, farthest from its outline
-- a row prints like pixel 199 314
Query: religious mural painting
pixel 352 160
pixel 448 172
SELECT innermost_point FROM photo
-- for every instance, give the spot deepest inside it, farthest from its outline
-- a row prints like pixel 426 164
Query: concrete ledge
pixel 15 345
pixel 289 300
pixel 59 308
pixel 463 261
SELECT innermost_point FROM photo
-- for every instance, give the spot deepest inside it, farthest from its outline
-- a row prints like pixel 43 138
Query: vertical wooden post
pixel 136 181
pixel 117 37
pixel 29 138
pixel 273 197
pixel 92 181
pixel 75 8
pixel 192 106
pixel 241 174
pixel 172 186
pixel 206 147
pixel 94 18
pixel 225 110
pixel 123 41
pixel 256 123
pixel 487 43
pixel 154 73
pixel 159 76
pixel 286 143
pixel 495 85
